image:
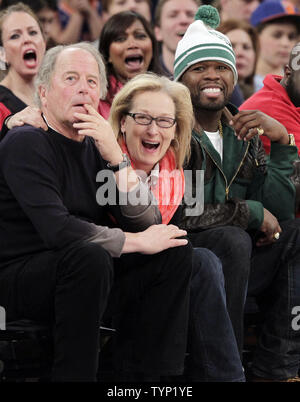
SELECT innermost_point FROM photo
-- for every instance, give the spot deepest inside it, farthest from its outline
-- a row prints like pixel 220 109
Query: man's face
pixel 293 86
pixel 239 9
pixel 75 82
pixel 140 6
pixel 176 16
pixel 210 83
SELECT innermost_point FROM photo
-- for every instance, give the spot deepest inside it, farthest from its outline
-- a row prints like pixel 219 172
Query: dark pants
pixel 275 282
pixel 68 288
pixel 149 304
pixel 71 287
pixel 233 246
pixel 212 347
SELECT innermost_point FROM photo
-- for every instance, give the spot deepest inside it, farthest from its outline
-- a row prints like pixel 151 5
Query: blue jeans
pixel 275 282
pixel 212 347
pixel 233 246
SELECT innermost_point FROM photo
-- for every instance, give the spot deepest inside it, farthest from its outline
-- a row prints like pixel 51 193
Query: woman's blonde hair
pixel 180 95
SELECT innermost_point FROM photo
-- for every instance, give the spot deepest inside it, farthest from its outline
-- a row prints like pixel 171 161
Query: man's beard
pixel 208 105
pixel 293 92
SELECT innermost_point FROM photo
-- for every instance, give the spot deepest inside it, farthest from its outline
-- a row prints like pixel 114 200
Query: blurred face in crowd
pixel 244 52
pixel 147 144
pixel 176 16
pixel 140 6
pixel 47 19
pixel 131 53
pixel 210 83
pixel 75 81
pixel 276 42
pixel 239 9
pixel 23 43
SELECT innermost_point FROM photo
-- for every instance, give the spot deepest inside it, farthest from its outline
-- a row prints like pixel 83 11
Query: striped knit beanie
pixel 202 42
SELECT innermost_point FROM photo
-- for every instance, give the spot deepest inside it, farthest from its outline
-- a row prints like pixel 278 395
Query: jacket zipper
pixel 238 169
pixel 225 178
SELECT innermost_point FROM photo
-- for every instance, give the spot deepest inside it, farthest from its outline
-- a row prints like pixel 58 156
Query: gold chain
pixel 220 129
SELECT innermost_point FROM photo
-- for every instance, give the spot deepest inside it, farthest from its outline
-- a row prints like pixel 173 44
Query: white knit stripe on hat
pixel 202 52
pixel 202 43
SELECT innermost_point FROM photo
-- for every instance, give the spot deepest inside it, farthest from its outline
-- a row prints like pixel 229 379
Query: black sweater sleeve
pixel 29 184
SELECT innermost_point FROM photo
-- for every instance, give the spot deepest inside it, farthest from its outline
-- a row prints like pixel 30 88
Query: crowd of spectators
pixel 262 34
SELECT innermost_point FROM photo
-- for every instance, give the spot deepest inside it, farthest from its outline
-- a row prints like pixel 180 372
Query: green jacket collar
pixel 233 150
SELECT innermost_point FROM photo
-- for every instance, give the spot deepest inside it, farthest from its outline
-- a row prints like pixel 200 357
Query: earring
pixel 123 136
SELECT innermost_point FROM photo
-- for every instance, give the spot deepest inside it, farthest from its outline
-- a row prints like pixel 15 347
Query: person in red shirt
pixel 280 98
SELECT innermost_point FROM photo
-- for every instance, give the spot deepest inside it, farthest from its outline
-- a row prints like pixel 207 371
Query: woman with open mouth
pixel 152 118
pixel 129 48
pixel 24 47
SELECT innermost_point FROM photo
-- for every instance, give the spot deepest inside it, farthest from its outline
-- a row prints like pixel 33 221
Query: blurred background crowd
pixel 135 36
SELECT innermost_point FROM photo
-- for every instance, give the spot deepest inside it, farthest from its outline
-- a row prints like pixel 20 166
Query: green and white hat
pixel 202 42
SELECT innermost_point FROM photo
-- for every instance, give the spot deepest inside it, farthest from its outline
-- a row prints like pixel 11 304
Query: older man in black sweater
pixel 58 257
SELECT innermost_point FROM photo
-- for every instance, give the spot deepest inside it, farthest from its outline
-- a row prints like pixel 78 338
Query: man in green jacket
pixel 249 200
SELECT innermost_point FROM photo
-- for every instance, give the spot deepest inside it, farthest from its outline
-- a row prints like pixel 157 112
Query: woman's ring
pixel 276 236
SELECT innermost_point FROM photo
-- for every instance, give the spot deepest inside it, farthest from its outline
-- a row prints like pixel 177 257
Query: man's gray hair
pixel 47 67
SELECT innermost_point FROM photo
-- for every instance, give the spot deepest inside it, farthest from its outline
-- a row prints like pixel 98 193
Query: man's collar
pixel 46 121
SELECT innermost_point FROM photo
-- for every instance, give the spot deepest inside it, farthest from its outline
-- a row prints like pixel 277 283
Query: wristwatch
pixel 7 118
pixel 292 139
pixel 125 163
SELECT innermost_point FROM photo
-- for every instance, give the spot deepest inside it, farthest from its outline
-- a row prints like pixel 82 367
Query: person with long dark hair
pixel 129 47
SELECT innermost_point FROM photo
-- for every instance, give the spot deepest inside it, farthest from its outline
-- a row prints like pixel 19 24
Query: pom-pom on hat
pixel 202 42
